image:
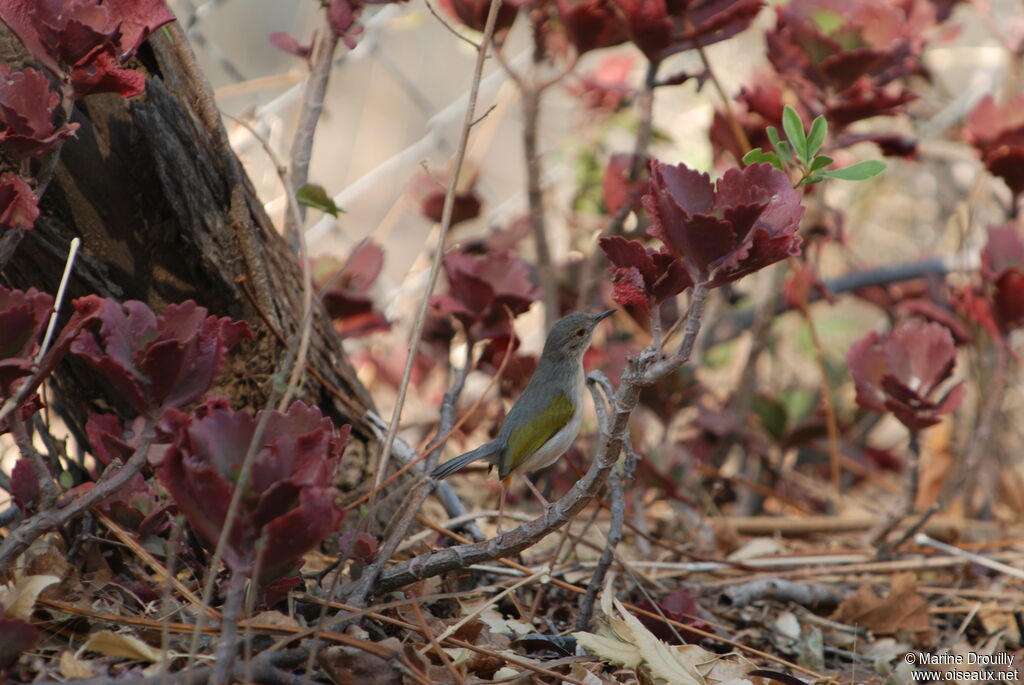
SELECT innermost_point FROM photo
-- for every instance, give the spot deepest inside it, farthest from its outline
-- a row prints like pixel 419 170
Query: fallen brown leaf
pixel 903 610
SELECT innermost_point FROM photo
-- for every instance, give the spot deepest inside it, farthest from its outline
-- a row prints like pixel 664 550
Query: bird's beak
pixel 603 315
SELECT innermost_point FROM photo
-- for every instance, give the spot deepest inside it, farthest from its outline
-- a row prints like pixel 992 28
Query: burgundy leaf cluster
pixel 89 40
pixel 903 372
pixel 430 189
pixel 836 58
pixel 722 232
pixel 26 112
pixel 287 506
pixel 590 24
pixel 660 28
pixel 997 131
pixel 643 277
pixel 998 303
pixel 840 57
pixel 23 316
pixel 473 13
pixel 480 289
pixel 156 362
pixel 345 290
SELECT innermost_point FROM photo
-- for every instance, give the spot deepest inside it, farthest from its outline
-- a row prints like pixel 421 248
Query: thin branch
pixel 227 644
pixel 907 501
pixel 451 29
pixel 309 117
pixel 112 480
pixel 47 487
pixel 442 234
pixel 826 391
pixel 618 509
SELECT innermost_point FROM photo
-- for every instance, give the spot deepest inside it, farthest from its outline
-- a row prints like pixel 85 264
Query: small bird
pixel 545 420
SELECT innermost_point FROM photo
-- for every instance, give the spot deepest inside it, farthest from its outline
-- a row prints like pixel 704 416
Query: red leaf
pixel 285 41
pixel 902 373
pixel 290 504
pixel 26 113
pixel 590 24
pixel 104 74
pixel 479 289
pixel 473 13
pixel 23 315
pixel 16 636
pixel 106 437
pixel 87 38
pixel 641 274
pixel 617 187
pixel 678 606
pixel 342 16
pixel 19 206
pixel 159 362
pixel 25 485
pixel 749 223
pixel 629 288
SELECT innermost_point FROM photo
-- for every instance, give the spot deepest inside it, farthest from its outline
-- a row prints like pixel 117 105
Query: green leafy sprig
pixel 799 153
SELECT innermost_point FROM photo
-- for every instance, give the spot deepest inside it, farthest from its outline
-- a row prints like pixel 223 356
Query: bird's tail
pixel 484 451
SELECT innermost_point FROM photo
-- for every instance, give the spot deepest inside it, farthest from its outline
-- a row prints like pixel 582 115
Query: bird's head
pixel 572 333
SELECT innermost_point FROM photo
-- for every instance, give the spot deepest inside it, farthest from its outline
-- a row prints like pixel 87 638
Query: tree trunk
pixel 166 213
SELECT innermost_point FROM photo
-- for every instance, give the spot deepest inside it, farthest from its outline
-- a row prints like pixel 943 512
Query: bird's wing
pixel 530 436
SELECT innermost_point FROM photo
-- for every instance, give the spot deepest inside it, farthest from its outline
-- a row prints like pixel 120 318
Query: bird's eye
pixel 580 332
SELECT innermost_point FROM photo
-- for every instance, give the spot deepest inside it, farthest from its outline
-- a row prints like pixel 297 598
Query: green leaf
pixel 827 21
pixel 820 162
pixel 315 196
pixel 773 136
pixel 795 132
pixel 819 129
pixel 66 480
pixel 785 152
pixel 757 156
pixel 856 172
pixel 810 180
pixel 772 415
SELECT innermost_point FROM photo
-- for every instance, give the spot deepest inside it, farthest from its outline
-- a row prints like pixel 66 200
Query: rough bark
pixel 166 213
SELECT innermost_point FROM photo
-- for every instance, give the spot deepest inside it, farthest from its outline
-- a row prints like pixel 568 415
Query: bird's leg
pixel 536 493
pixel 505 482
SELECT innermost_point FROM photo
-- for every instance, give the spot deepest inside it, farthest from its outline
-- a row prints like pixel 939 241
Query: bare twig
pixel 906 504
pixel 804 594
pixel 618 508
pixel 826 391
pixel 48 491
pixel 924 540
pixel 112 480
pixel 227 644
pixel 442 233
pixel 309 116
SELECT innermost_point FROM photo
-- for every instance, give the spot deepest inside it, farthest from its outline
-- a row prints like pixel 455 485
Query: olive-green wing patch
pixel 528 438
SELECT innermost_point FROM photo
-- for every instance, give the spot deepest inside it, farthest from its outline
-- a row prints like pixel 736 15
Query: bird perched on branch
pixel 545 420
